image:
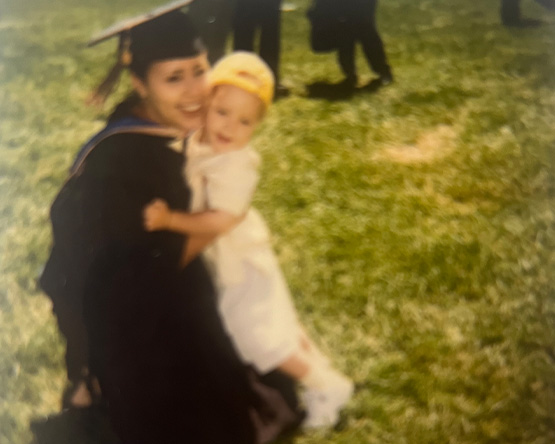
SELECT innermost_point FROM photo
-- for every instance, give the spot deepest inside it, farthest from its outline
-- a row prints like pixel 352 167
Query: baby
pixel 254 300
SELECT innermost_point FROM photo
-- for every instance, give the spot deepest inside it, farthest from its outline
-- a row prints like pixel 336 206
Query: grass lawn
pixel 415 225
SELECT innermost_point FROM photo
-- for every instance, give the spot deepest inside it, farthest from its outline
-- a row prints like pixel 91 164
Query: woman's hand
pixel 157 215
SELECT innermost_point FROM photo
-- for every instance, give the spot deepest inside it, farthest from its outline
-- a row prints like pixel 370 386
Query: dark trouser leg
pixel 366 32
pixel 372 46
pixel 346 55
pixel 244 25
pixel 270 34
pixel 213 18
pixel 510 11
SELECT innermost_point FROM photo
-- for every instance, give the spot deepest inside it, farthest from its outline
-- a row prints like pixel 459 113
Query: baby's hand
pixel 156 215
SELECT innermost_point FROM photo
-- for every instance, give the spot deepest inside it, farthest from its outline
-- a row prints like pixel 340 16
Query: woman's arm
pixel 158 216
pixel 195 245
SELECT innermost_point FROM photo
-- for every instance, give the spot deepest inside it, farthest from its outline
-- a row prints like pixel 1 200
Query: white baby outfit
pixel 254 300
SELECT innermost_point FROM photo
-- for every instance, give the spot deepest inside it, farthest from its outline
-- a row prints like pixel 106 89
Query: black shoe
pixel 331 91
pixel 373 86
pixel 348 83
pixel 386 79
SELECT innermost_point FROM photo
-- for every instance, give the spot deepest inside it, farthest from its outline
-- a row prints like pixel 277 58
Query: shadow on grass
pixel 92 426
pixel 75 426
pixel 537 67
pixel 524 23
pixel 340 91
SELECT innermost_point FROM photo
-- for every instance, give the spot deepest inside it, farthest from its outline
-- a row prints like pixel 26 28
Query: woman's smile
pixel 191 107
pixel 190 113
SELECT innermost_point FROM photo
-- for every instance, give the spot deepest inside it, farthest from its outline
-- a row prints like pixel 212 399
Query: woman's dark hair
pixel 170 36
pixel 125 108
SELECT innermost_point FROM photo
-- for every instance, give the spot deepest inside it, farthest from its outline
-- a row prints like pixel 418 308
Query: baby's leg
pixel 325 390
pixel 296 366
pixel 261 319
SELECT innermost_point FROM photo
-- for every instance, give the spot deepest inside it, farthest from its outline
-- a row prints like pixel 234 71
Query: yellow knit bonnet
pixel 247 71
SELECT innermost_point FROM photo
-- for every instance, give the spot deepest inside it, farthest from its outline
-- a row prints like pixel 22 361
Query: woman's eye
pixel 174 79
pixel 221 112
pixel 199 72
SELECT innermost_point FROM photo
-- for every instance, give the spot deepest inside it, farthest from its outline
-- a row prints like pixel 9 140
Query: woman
pixel 155 341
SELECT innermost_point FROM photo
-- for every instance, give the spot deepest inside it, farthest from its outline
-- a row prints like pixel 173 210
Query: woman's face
pixel 174 92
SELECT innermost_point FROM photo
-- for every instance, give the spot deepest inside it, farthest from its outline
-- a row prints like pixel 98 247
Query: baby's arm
pixel 195 245
pixel 158 216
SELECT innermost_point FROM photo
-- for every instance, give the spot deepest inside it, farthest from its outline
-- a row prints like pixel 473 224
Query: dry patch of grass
pixel 430 146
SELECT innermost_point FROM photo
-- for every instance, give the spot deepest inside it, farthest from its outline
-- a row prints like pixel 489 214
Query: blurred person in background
pixel 262 17
pixel 214 20
pixel 359 26
pixel 339 26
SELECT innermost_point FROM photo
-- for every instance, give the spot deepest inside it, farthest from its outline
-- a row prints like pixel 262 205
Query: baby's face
pixel 233 115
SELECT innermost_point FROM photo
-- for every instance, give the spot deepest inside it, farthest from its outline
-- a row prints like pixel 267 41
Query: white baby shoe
pixel 323 405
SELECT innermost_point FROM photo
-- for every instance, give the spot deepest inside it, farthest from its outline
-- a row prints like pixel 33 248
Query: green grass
pixel 416 226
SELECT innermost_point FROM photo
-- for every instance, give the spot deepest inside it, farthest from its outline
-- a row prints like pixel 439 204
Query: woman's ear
pixel 139 86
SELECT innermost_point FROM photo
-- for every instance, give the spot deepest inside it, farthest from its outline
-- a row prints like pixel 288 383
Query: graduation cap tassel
pixel 103 91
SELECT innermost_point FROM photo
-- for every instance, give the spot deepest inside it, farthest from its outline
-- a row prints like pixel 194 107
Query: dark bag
pixel 326 20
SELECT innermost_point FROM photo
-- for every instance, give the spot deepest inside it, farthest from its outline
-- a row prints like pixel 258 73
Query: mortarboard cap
pixel 161 34
pixel 127 24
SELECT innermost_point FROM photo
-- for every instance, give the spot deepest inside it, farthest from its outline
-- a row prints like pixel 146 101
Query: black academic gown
pixel 155 340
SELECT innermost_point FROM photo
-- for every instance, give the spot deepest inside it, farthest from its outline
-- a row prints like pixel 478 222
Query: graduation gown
pixel 155 341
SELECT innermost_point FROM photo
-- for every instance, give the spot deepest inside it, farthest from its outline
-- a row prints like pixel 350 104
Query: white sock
pixel 316 378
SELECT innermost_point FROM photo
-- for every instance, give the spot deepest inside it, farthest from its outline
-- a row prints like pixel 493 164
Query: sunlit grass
pixel 416 226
